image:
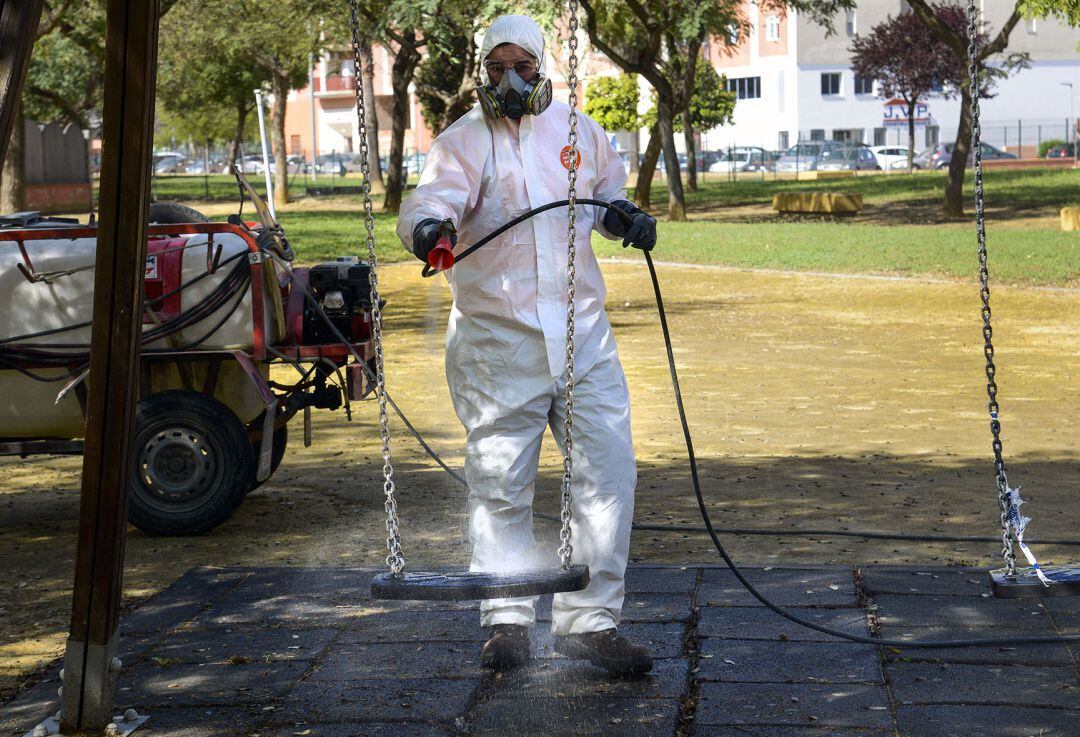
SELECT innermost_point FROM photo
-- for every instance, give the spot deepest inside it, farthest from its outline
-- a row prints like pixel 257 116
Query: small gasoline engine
pixel 343 289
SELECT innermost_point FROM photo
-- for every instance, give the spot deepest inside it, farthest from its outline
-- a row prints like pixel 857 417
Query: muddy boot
pixel 608 650
pixel 508 647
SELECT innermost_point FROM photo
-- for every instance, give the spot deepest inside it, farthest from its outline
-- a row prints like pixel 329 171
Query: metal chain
pixel 566 550
pixel 1008 554
pixel 395 558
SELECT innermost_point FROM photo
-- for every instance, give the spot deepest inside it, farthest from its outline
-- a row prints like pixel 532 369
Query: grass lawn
pixel 898 233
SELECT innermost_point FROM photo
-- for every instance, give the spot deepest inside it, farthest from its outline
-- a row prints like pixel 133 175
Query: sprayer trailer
pixel 222 305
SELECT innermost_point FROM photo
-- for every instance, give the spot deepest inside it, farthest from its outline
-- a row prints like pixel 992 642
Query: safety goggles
pixel 524 68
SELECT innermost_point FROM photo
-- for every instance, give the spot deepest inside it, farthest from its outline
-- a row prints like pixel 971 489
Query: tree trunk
pixel 371 117
pixel 281 165
pixel 954 187
pixel 691 152
pixel 404 69
pixel 11 172
pixel 635 149
pixel 234 147
pixel 676 199
pixel 911 132
pixel 643 188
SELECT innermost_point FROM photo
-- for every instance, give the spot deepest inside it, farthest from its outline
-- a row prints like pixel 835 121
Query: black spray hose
pixel 694 476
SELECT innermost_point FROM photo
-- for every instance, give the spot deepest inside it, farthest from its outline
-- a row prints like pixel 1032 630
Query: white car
pixel 890 157
pixel 744 158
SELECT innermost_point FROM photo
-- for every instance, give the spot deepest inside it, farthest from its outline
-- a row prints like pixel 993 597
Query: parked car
pixel 887 156
pixel 169 164
pixel 850 157
pixel 939 155
pixel 196 166
pixel 1062 151
pixel 804 156
pixel 251 164
pixel 743 158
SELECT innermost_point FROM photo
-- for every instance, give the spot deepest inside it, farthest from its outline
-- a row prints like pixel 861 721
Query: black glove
pixel 427 233
pixel 640 232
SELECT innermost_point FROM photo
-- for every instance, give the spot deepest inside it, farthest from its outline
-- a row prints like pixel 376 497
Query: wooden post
pixel 128 120
pixel 18 28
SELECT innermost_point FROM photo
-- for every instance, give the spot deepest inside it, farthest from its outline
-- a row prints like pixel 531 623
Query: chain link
pixel 566 550
pixel 1008 554
pixel 395 558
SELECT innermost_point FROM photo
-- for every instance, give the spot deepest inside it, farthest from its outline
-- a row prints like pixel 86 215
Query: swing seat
pixel 1064 581
pixel 456 584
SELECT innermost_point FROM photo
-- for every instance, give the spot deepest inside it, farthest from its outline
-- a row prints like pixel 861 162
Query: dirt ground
pixel 817 402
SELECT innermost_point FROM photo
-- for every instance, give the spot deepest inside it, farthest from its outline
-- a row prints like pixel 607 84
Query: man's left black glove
pixel 638 231
pixel 427 233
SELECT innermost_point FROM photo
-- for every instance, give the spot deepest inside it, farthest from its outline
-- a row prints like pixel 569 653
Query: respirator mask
pixel 514 97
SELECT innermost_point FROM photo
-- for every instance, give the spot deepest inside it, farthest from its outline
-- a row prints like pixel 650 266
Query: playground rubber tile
pixel 409 626
pixel 347 584
pixel 561 678
pixel 203 722
pixel 759 623
pixel 784 587
pixel 795 704
pixel 926 582
pixel 639 608
pixel 1037 654
pixel 206 685
pixel 928 683
pixel 663 640
pixel 31 707
pixel 952 611
pixel 181 601
pixel 275 610
pixel 428 699
pixel 371 729
pixel 400 660
pixel 986 721
pixel 742 730
pixel 744 661
pixel 232 645
pixel 674 580
pixel 607 716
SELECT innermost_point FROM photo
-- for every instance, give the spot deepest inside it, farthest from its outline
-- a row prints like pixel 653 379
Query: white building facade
pixel 795 83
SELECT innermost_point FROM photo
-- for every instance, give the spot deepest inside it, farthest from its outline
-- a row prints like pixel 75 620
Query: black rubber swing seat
pixel 455 584
pixel 1064 581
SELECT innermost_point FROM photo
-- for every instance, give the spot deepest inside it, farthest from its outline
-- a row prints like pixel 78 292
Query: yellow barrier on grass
pixel 825 203
pixel 1070 218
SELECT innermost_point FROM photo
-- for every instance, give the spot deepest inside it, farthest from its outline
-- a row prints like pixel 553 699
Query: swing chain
pixel 1007 552
pixel 395 558
pixel 566 550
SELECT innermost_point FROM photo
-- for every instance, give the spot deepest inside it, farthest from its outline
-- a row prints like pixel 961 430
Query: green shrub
pixel 1045 146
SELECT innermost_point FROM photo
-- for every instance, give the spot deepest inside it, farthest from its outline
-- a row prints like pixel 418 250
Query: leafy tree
pixel 956 39
pixel 208 97
pixel 446 78
pixel 661 40
pixel 613 103
pixel 908 61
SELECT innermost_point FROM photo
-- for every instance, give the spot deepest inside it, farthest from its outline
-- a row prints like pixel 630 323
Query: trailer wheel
pixel 277 452
pixel 192 464
pixel 173 213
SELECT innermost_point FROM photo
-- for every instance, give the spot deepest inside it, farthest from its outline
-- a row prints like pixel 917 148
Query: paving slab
pixel 794 704
pixel 544 717
pixel 230 645
pixel 782 586
pixel 926 581
pixel 661 580
pixel 561 678
pixel 742 730
pixel 928 683
pixel 148 686
pixel 954 611
pixel 410 700
pixel 359 729
pixel 759 623
pixel 414 626
pixel 1055 654
pixel 202 722
pixel 664 640
pixel 181 601
pixel 640 608
pixel 357 662
pixel 757 661
pixel 986 721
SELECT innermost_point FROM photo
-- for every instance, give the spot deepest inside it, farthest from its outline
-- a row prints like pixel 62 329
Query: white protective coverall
pixel 506 342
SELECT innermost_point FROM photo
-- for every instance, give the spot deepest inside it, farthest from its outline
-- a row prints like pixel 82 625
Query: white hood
pixel 520 30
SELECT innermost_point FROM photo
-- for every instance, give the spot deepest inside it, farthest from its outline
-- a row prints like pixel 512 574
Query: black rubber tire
pixel 277 452
pixel 173 213
pixel 192 464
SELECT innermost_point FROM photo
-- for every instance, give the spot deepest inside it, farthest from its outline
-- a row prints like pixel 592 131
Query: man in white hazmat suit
pixel 506 341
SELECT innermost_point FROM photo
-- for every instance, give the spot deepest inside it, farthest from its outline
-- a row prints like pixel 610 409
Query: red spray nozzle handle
pixel 441 257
